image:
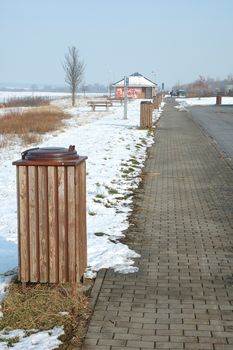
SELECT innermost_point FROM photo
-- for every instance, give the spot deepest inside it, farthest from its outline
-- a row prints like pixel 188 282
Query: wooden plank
pixel 71 223
pixel 33 223
pixel 84 221
pixel 23 230
pixel 144 115
pixel 62 224
pixel 77 223
pixel 53 224
pixel 43 223
pixel 18 223
pixel 81 201
pixel 141 115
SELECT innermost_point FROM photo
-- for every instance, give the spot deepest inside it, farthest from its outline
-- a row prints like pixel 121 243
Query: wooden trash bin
pixel 160 100
pixel 155 102
pixel 51 187
pixel 218 100
pixel 146 109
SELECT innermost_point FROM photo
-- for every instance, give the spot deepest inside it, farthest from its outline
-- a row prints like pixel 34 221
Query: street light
pixel 109 82
pixel 154 75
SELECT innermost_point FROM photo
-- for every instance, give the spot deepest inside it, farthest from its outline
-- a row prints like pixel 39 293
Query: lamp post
pixel 154 75
pixel 109 82
pixel 126 84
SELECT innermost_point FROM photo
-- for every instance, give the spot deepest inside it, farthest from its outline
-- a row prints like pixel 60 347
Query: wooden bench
pixel 94 104
pixel 115 100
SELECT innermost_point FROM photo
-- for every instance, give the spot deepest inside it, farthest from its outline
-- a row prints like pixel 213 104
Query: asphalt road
pixel 218 122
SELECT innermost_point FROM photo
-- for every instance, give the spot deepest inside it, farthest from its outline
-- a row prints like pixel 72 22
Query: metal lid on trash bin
pixel 50 156
pixel 50 153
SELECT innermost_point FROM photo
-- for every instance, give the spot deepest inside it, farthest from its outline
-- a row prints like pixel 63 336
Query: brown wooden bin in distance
pixel 146 109
pixel 51 187
pixel 157 101
pixel 218 100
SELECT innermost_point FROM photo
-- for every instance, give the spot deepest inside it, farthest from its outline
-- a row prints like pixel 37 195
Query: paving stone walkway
pixel 182 296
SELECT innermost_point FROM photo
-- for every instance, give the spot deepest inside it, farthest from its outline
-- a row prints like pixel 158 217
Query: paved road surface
pixel 218 122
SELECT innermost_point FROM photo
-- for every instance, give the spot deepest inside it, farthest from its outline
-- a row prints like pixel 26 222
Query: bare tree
pixel 74 70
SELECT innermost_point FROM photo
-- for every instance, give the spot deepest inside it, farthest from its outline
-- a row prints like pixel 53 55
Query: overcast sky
pixel 168 41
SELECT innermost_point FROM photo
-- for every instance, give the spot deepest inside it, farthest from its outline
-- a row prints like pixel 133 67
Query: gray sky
pixel 168 41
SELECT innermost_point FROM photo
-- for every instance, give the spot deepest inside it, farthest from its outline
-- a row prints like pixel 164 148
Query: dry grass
pixel 40 307
pixel 30 101
pixel 31 125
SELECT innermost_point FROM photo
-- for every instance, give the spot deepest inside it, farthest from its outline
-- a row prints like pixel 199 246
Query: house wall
pixel 132 92
pixel 136 92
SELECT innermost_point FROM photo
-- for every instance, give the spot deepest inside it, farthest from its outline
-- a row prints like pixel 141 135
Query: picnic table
pixel 94 104
pixel 115 100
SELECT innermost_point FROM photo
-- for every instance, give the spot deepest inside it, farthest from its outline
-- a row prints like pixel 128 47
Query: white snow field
pixel 6 95
pixel 116 150
pixel 202 101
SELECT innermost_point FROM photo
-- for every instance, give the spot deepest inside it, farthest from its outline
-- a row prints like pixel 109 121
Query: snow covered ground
pixel 203 101
pixel 6 95
pixel 116 150
pixel 44 340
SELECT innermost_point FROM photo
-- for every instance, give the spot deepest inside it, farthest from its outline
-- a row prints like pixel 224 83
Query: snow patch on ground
pixel 44 340
pixel 203 101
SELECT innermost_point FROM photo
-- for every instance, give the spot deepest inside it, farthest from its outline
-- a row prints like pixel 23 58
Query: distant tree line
pixel 96 87
pixel 204 87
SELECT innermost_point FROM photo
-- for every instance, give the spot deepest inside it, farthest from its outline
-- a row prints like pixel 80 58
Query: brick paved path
pixel 182 296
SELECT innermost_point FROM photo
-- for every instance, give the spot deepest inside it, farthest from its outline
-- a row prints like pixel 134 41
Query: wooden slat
pixel 81 201
pixel 62 224
pixel 23 228
pixel 18 221
pixel 33 223
pixel 77 224
pixel 43 223
pixel 141 114
pixel 71 223
pixel 84 215
pixel 53 224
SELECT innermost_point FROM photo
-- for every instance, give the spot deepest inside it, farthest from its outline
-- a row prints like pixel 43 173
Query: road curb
pixel 95 291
